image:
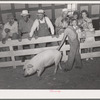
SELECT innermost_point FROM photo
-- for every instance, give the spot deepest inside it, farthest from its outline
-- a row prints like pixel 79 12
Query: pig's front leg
pixel 40 71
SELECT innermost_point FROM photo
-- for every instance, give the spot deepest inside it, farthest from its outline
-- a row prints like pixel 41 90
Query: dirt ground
pixel 86 78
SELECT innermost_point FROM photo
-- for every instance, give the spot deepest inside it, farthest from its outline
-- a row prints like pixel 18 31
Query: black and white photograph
pixel 50 45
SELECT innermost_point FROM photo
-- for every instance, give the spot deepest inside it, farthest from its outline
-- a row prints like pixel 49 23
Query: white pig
pixel 42 60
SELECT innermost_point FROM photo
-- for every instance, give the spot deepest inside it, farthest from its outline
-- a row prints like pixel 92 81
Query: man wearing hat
pixel 25 25
pixel 10 29
pixel 60 23
pixel 41 26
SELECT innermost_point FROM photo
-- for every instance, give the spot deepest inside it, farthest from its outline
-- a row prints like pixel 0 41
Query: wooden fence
pixel 13 53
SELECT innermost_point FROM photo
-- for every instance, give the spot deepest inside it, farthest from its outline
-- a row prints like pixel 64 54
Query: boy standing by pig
pixel 74 54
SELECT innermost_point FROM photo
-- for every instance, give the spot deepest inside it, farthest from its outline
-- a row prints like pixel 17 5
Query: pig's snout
pixel 25 75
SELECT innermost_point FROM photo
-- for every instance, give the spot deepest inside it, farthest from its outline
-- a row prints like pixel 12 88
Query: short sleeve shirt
pixel 25 27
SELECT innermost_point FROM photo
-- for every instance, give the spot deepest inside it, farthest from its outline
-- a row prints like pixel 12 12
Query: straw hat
pixel 25 13
pixel 40 11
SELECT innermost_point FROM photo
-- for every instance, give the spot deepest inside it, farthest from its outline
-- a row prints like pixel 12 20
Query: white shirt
pixel 36 25
pixel 13 28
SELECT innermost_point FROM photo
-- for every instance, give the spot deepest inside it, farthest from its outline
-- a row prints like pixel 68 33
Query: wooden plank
pixel 33 41
pixel 6 64
pixel 6 54
pixel 17 63
pixel 37 50
pixel 32 51
pixel 36 41
pixel 12 57
pixel 89 55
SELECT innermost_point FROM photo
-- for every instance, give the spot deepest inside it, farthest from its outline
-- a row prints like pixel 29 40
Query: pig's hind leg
pixel 60 66
pixel 57 63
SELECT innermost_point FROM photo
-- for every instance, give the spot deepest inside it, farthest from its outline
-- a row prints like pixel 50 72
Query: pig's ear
pixel 29 65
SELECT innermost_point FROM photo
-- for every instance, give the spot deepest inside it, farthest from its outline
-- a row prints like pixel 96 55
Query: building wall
pixel 52 10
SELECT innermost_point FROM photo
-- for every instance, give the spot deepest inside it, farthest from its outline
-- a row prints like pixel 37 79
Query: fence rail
pixel 11 53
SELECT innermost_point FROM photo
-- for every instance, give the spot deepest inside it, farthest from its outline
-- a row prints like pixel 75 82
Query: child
pixel 74 24
pixel 74 54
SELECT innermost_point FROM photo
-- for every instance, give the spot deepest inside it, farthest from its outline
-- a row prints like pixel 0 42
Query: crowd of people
pixel 42 26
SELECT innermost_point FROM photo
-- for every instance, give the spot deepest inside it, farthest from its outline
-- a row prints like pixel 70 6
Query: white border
pixel 44 94
pixel 51 2
pixel 50 94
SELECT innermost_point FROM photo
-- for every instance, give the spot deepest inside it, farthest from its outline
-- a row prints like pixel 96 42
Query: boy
pixel 74 54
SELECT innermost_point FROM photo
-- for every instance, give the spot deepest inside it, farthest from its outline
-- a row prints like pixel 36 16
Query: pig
pixel 42 60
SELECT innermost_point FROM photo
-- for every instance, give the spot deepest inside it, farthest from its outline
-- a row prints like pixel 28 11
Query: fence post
pixel 12 56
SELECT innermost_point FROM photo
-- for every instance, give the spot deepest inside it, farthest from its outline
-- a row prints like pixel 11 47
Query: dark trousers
pixel 74 55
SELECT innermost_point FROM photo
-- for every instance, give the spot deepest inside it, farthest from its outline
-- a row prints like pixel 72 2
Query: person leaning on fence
pixel 41 26
pixel 25 25
pixel 73 55
pixel 60 24
pixel 1 49
pixel 1 30
pixel 10 30
pixel 87 29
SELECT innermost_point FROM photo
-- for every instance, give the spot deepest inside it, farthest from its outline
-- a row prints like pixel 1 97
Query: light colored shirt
pixel 87 24
pixel 36 25
pixel 58 22
pixel 25 27
pixel 13 29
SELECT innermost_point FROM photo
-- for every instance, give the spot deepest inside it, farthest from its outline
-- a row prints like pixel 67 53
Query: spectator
pixel 25 25
pixel 60 23
pixel 1 48
pixel 88 29
pixel 1 30
pixel 41 26
pixel 10 30
pixel 76 16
